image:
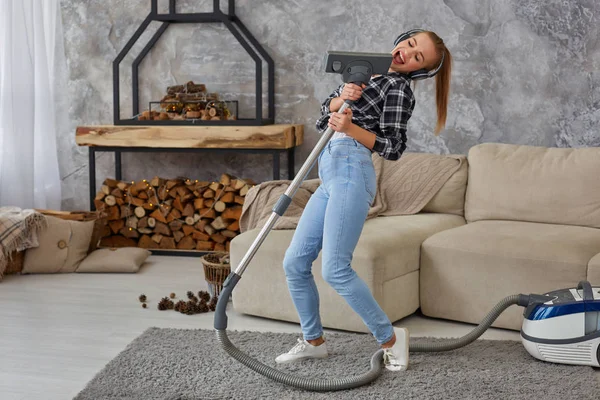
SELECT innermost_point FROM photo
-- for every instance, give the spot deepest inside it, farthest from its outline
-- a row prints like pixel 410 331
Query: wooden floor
pixel 58 331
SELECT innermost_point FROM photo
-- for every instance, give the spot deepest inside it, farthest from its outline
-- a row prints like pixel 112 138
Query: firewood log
pixel 100 196
pixel 143 223
pixel 167 243
pixel 205 246
pixel 220 206
pixel 239 200
pixel 112 183
pixel 137 187
pixel 244 190
pixel 132 222
pixel 146 242
pixel 126 211
pixel 187 243
pixel 200 236
pixel 225 179
pixel 177 204
pixel 190 221
pixel 172 183
pixel 188 210
pixel 151 222
pixel 173 215
pixel 110 200
pixel 142 195
pixel 216 187
pixel 198 203
pixel 228 234
pixel 136 201
pixel 123 186
pixel 105 189
pixel 178 235
pixel 113 213
pixel 149 206
pixel 227 197
pixel 219 247
pixel 175 225
pixel 129 233
pixel 209 229
pixel 208 213
pixel 162 228
pixel 234 226
pixel 158 216
pixel 232 213
pixel 238 184
pixel 145 231
pixel 218 223
pixel 196 217
pixel 208 203
pixel 99 204
pixel 162 192
pixel 118 193
pixel 157 237
pixel 187 230
pixel 208 194
pixel 140 212
pixel 116 225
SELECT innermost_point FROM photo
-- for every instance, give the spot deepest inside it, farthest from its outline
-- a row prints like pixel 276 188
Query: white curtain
pixel 29 174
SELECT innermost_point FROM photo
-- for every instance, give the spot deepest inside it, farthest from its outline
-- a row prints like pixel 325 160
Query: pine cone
pixel 213 303
pixel 203 307
pixel 190 294
pixel 164 303
pixel 142 298
pixel 194 299
pixel 180 304
pixel 170 305
pixel 144 305
pixel 204 295
pixel 172 295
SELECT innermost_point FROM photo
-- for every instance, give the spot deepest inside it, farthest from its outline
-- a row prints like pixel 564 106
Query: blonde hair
pixel 442 80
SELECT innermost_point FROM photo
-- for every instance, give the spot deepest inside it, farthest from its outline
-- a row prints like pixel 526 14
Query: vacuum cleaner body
pixel 563 326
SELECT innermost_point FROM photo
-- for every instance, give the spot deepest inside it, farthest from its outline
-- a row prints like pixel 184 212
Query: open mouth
pixel 398 58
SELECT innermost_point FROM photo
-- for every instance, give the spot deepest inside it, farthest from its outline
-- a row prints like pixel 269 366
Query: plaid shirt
pixel 384 109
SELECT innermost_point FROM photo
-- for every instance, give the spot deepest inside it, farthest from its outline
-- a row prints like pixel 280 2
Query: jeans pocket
pixel 370 178
pixel 338 152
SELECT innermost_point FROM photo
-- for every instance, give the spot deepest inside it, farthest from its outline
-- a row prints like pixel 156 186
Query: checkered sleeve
pixel 397 108
pixel 324 118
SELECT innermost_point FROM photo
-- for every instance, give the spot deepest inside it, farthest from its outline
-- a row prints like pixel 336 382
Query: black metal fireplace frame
pixel 239 31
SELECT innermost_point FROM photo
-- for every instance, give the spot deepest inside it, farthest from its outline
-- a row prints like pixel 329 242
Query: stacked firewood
pixel 172 214
pixel 189 101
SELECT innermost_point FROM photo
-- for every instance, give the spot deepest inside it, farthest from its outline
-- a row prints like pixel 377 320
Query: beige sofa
pixel 514 219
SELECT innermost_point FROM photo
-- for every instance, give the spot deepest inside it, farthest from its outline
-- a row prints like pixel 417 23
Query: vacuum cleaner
pixel 561 326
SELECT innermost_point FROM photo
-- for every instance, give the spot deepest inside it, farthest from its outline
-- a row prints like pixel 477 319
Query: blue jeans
pixel 333 221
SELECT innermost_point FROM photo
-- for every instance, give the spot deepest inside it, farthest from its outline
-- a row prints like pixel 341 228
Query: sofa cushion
pixel 450 199
pixel 467 270
pixel 536 184
pixel 122 259
pixel 593 273
pixel 386 258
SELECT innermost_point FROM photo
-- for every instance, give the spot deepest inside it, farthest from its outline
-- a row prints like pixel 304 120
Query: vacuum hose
pixel 376 359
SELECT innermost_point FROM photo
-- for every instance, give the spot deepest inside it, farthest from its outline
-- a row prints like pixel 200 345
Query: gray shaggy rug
pixel 181 364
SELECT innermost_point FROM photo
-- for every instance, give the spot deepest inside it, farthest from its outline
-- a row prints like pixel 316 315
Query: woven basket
pixel 15 264
pixel 216 270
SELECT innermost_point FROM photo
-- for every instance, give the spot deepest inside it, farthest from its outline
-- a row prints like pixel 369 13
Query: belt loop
pixel 355 142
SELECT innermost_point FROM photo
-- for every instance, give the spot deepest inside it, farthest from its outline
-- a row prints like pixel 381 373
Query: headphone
pixel 421 73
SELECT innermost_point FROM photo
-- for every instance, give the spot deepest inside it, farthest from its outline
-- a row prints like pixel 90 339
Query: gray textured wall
pixel 525 72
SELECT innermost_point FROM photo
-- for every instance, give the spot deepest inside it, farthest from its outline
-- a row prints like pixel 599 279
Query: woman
pixel 335 214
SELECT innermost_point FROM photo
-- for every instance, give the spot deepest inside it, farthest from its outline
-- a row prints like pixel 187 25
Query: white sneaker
pixel 303 350
pixel 396 357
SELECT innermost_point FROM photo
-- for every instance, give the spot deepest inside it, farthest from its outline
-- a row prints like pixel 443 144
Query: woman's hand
pixel 341 122
pixel 352 91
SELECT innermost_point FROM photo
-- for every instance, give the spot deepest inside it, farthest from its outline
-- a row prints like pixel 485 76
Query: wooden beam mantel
pixel 251 137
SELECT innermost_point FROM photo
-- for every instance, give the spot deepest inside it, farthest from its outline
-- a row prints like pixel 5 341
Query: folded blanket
pixel 18 232
pixel 404 187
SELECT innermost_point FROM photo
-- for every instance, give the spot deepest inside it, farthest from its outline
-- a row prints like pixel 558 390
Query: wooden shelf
pixel 282 136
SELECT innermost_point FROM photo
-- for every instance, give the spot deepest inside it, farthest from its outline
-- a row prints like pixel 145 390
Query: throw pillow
pixel 62 246
pixel 122 259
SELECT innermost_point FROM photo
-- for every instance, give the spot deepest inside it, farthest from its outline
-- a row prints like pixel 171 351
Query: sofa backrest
pixel 535 184
pixel 450 199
